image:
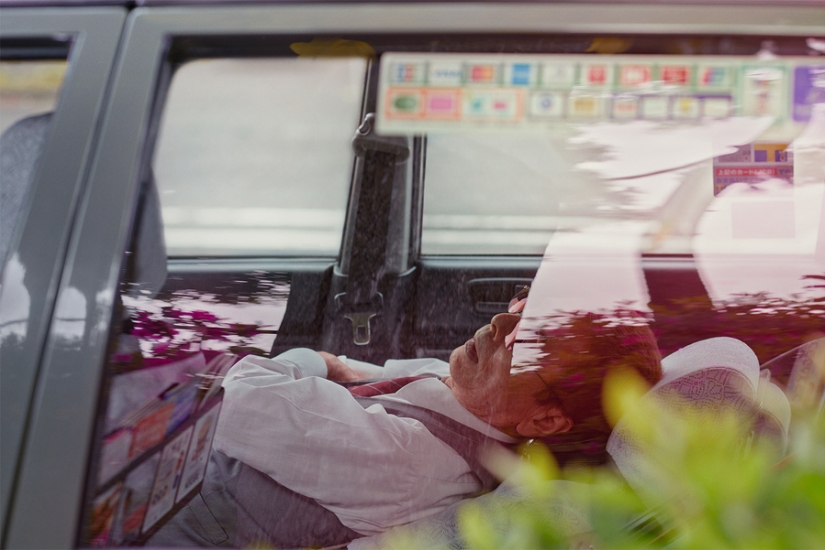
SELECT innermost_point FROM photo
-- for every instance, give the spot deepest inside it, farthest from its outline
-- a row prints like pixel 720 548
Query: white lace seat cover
pixel 718 375
pixel 774 415
pixel 806 386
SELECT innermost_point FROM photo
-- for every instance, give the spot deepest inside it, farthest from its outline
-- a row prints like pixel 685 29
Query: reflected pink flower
pixel 160 348
pixel 204 316
pixel 174 331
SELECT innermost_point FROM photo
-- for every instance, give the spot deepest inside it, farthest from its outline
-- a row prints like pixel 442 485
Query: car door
pixel 273 260
pixel 55 61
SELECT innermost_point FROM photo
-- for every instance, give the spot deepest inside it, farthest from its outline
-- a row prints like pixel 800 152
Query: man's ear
pixel 544 421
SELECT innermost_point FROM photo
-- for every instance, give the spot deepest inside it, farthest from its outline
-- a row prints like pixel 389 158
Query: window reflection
pixel 657 235
pixel 28 97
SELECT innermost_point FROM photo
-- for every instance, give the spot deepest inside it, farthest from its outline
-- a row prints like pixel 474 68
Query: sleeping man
pixel 368 456
pixel 304 456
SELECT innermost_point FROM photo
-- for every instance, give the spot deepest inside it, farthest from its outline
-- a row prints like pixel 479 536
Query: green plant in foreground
pixel 708 485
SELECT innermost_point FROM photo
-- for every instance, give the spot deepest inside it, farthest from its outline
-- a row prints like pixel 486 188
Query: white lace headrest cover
pixel 774 417
pixel 718 374
pixel 806 377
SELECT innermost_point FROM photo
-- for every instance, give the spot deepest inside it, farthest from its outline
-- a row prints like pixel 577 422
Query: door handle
pixel 491 296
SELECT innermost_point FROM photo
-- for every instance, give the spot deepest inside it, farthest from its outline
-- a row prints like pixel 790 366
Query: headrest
pixel 719 375
pixel 728 361
pixel 20 149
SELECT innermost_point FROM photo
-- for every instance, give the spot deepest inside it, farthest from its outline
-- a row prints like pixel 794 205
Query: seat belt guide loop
pixel 360 327
pixel 360 314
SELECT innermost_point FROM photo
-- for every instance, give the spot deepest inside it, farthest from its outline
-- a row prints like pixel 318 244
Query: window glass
pixel 712 162
pixel 699 215
pixel 490 193
pixel 582 139
pixel 175 334
pixel 254 156
pixel 28 95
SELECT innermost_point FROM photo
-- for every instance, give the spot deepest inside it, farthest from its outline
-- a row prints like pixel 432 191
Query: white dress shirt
pixel 372 469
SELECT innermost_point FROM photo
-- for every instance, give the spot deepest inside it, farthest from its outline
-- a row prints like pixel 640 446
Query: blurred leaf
pixel 713 487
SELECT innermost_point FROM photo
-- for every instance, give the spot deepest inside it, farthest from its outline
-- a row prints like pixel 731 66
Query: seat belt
pixel 379 156
pixel 467 442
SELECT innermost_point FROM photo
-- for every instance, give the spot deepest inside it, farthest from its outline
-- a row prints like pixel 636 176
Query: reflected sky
pixel 642 147
pixel 756 243
pixel 70 316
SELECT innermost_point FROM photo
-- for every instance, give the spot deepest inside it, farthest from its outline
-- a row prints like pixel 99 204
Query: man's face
pixel 481 378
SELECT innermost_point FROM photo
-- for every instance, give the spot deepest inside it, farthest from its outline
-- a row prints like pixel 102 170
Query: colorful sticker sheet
pixel 442 92
pixel 142 497
pixel 753 163
pixel 155 456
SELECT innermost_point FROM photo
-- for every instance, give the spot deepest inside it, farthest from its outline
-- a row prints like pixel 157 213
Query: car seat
pixel 719 376
pixel 20 148
pixel 805 368
pixel 773 414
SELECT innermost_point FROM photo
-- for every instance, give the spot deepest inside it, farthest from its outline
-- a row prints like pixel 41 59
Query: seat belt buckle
pixel 360 315
pixel 360 327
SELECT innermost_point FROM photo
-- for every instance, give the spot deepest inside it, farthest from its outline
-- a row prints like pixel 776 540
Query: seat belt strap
pixel 470 444
pixel 379 156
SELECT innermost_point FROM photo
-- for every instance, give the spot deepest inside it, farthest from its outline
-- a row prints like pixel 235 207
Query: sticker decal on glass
pixel 420 93
pixel 168 479
pixel 198 453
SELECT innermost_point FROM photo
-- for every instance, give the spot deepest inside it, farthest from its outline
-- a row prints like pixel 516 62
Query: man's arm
pixel 338 371
pixel 372 469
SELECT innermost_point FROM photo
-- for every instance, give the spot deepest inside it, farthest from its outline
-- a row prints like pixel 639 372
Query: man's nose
pixel 503 324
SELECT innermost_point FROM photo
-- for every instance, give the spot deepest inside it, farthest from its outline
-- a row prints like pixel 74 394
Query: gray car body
pixel 86 187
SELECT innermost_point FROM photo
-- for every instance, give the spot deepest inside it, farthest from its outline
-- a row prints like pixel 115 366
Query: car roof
pixel 71 3
pixel 61 3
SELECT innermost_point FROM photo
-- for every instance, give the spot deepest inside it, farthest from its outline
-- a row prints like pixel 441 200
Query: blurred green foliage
pixel 709 485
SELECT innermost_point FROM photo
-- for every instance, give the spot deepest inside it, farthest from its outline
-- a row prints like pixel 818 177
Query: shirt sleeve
pixel 372 469
pixel 296 363
pixel 396 368
pixel 369 369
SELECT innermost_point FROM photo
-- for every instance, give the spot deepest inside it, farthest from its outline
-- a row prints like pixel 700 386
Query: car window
pixel 583 201
pixel 718 160
pixel 254 158
pixel 580 141
pixel 491 193
pixel 28 94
